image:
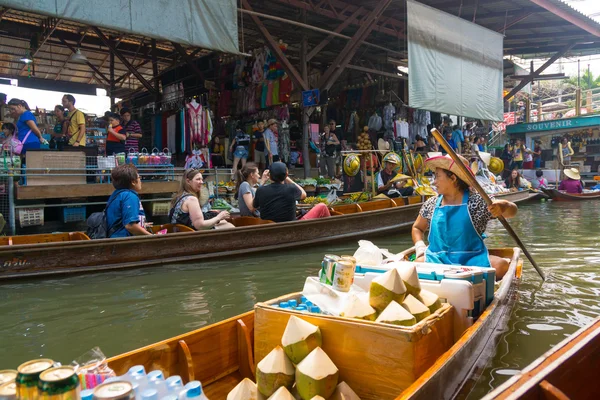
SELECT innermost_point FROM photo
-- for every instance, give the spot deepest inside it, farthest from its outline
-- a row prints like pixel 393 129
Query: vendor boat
pixel 567 371
pixel 223 354
pixel 42 255
pixel 517 197
pixel 557 195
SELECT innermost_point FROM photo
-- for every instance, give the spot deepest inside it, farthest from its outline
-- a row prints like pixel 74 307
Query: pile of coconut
pixel 298 369
pixel 395 297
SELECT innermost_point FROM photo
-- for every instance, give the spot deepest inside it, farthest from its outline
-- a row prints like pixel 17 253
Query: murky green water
pixel 119 311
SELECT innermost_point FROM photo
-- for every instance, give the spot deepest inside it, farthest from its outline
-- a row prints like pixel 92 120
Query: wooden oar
pixel 473 182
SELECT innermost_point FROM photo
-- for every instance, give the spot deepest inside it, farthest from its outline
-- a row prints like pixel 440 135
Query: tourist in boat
pixel 572 182
pixel 185 205
pixel 420 145
pixel 565 151
pixel 539 182
pixel 277 201
pixel 457 219
pixel 386 183
pixel 246 179
pixel 240 147
pixel 27 130
pixel 115 141
pixel 516 182
pixel 124 212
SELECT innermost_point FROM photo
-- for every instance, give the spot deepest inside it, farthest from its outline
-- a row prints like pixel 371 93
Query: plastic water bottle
pixel 193 390
pixel 170 397
pixel 141 382
pixel 156 374
pixel 284 304
pixel 301 307
pixel 315 309
pixel 137 370
pixel 87 394
pixel 149 394
pixel 308 304
pixel 302 299
pixel 174 385
pixel 156 381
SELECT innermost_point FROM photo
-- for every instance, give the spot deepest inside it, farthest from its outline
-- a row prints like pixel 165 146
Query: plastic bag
pixel 92 368
pixel 332 196
pixel 368 254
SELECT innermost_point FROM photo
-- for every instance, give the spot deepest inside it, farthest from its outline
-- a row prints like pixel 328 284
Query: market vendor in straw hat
pixel 457 219
pixel 389 182
pixel 572 182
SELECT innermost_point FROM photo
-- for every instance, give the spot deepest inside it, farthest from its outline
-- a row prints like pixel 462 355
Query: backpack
pixel 98 224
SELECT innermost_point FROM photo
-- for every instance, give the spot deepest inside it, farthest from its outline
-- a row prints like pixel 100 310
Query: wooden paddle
pixel 473 182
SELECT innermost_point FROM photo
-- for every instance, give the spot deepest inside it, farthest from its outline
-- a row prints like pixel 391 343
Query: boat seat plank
pixel 376 205
pixel 249 221
pixel 245 351
pixel 551 392
pixel 347 208
pixel 186 364
pixel 414 199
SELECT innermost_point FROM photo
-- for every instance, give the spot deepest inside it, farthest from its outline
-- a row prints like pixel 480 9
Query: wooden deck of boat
pixel 557 195
pixel 568 371
pixel 222 354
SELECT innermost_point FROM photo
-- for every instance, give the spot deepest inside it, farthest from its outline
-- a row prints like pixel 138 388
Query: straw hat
pixel 496 165
pixel 271 122
pixel 572 173
pixel 486 158
pixel 392 158
pixel 383 146
pixel 400 177
pixel 447 163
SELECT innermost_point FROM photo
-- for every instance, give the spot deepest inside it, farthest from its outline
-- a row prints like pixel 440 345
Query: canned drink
pixel 120 390
pixel 59 383
pixel 8 390
pixel 28 377
pixel 343 277
pixel 7 375
pixel 328 268
pixel 349 258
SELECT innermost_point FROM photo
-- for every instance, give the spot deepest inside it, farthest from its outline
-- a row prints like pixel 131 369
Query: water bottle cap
pixel 193 389
pixel 301 307
pixel 315 309
pixel 112 379
pixel 137 370
pixel 284 304
pixel 156 374
pixel 303 299
pixel 308 303
pixel 293 303
pixel 87 394
pixel 174 380
pixel 150 394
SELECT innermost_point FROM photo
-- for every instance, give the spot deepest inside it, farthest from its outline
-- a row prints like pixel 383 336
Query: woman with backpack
pixel 329 143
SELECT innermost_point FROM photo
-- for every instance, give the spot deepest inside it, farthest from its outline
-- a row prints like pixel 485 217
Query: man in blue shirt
pixel 450 141
pixel 271 142
pixel 458 137
pixel 124 213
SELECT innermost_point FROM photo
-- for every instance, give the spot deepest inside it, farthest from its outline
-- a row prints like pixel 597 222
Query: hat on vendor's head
pixel 485 157
pixel 271 122
pixel 383 146
pixel 446 162
pixel 392 158
pixel 572 173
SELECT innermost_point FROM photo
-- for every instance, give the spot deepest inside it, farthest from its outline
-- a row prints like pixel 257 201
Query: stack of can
pixel 338 271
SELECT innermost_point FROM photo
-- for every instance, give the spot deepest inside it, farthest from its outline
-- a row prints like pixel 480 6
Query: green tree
pixel 587 80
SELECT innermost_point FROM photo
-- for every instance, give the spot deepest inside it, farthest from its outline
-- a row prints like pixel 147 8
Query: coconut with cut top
pixel 344 392
pixel 245 390
pixel 282 394
pixel 300 338
pixel 410 277
pixel 316 375
pixel 416 308
pixel 358 308
pixel 274 371
pixel 395 314
pixel 386 288
pixel 430 300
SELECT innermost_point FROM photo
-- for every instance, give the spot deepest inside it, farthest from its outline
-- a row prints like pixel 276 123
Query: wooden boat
pixel 517 197
pixel 48 257
pixel 557 195
pixel 567 371
pixel 194 355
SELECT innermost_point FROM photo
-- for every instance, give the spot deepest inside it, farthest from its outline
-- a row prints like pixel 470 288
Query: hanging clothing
pixel 195 112
pixel 453 239
pixel 375 122
pixel 388 115
pixel 172 131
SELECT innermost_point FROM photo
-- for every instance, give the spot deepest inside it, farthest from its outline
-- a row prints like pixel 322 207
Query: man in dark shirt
pixel 277 201
pixel 259 148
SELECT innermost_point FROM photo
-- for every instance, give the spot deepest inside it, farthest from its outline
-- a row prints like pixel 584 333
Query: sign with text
pixel 559 124
pixel 311 98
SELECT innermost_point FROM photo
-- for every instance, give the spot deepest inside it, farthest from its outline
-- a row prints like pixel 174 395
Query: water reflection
pixel 119 311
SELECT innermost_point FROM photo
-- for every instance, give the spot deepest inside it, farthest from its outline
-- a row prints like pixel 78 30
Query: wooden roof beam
pixel 92 66
pixel 584 23
pixel 329 38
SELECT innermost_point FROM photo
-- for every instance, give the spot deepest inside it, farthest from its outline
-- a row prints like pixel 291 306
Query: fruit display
pixel 323 181
pixel 220 204
pixel 386 288
pixel 299 369
pixel 306 182
pixel 312 200
pixel 364 142
pixel 358 197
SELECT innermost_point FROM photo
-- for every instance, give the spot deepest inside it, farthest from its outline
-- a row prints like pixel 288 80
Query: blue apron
pixel 452 237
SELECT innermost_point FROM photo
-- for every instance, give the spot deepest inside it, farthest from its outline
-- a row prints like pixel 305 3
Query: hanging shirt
pixel 195 113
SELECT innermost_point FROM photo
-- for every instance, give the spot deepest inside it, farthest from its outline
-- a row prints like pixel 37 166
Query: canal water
pixel 62 318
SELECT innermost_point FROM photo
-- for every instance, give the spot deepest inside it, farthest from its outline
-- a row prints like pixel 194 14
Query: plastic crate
pixel 74 214
pixel 31 217
pixel 161 208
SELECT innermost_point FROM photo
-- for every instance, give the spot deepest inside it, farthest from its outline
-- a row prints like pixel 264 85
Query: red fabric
pixel 318 211
pixel 528 165
pixel 570 186
pixel 112 138
pixel 285 89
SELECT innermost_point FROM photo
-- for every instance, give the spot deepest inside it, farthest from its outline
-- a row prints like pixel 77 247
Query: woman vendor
pixel 572 182
pixel 457 219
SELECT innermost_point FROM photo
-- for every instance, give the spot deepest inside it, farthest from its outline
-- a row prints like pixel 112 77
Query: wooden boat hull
pixel 516 197
pixel 476 346
pixel 561 196
pixel 568 370
pixel 194 355
pixel 21 261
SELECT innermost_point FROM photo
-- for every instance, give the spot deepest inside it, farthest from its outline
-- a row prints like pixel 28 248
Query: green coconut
pixel 274 371
pixel 300 338
pixel 317 398
pixel 430 300
pixel 416 308
pixel 282 394
pixel 358 308
pixel 410 277
pixel 316 375
pixel 344 392
pixel 395 314
pixel 386 288
pixel 245 390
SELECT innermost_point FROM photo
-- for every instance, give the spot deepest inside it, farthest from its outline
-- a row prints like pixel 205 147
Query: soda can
pixel 349 258
pixel 7 375
pixel 8 390
pixel 59 383
pixel 119 390
pixel 328 268
pixel 28 377
pixel 343 277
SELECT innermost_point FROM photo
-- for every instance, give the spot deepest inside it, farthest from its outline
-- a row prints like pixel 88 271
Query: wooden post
pixel 588 101
pixel 539 107
pixel 112 81
pixel 372 175
pixel 155 72
pixel 306 110
pixel 578 101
